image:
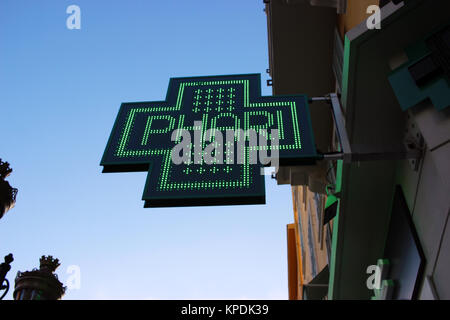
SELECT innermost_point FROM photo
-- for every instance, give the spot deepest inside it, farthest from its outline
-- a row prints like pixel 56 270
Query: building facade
pixel 390 232
pixel 39 284
pixel 309 246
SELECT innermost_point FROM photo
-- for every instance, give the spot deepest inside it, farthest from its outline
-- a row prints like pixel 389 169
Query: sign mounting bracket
pixel 411 152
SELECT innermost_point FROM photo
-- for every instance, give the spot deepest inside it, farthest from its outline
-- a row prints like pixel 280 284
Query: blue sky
pixel 60 93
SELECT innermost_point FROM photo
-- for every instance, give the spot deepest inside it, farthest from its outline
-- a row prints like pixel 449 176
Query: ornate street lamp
pixel 7 193
pixel 7 201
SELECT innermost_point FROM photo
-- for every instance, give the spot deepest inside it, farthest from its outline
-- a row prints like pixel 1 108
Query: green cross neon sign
pixel 141 140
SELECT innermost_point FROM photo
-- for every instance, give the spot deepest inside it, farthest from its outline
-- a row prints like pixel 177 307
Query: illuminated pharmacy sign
pixel 154 136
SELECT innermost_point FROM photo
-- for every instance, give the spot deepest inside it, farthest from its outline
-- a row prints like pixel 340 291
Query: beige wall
pixel 356 13
pixel 305 210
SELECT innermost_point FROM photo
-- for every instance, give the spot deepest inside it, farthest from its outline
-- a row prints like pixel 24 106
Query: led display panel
pixel 224 117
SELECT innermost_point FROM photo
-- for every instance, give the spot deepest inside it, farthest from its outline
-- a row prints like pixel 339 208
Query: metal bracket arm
pixel 346 153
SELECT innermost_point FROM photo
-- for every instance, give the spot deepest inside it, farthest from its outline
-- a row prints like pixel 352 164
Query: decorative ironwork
pixel 49 264
pixel 8 194
pixel 4 268
pixel 5 170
